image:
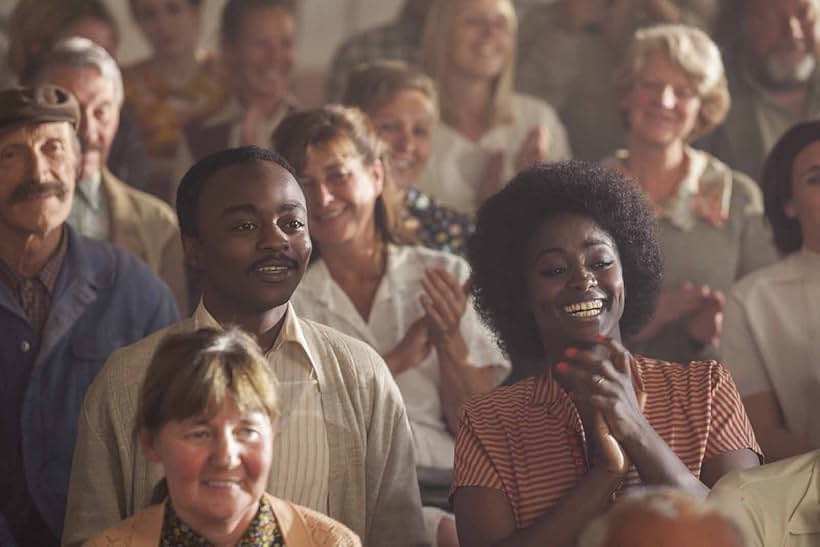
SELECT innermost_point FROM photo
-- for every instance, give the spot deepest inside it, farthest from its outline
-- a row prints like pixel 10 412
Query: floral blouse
pixel 262 532
pixel 437 226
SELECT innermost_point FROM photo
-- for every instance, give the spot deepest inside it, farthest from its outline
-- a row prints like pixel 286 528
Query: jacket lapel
pixel 125 229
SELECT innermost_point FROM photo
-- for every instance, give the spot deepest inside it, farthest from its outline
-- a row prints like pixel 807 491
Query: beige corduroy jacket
pixel 147 227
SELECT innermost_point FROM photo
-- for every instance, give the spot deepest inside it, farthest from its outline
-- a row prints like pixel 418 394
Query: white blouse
pixel 771 338
pixel 395 307
pixel 457 164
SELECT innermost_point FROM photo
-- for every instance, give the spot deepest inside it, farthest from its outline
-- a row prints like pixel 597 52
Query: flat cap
pixel 37 104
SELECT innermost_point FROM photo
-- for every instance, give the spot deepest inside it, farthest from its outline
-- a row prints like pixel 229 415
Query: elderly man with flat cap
pixel 66 302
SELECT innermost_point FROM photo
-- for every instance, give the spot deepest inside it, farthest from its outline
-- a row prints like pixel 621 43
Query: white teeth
pixel 590 308
pixel 272 269
pixel 328 215
pixel 221 483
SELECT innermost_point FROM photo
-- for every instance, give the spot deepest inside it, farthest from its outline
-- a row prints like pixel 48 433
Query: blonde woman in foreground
pixel 207 413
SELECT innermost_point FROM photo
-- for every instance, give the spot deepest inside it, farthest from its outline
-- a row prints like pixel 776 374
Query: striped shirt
pixel 527 439
pixel 301 457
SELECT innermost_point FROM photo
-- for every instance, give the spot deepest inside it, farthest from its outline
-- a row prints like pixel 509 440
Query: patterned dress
pixel 262 532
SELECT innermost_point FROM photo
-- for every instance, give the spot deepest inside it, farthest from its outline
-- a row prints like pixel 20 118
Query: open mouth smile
pixel 586 309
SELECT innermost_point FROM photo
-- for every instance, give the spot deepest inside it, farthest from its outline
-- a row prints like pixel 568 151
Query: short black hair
pixel 777 183
pixel 507 220
pixel 193 183
pixel 235 10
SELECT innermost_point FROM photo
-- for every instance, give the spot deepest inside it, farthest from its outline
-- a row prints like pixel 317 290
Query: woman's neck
pixel 223 533
pixel 264 106
pixel 658 169
pixel 359 260
pixel 470 106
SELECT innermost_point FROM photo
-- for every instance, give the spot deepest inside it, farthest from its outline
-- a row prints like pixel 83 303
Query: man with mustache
pixel 66 302
pixel 774 80
pixel 105 207
pixel 343 445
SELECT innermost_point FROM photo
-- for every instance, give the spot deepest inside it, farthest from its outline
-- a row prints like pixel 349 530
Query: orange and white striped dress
pixel 527 440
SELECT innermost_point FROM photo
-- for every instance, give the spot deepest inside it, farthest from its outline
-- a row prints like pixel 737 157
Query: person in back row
pixel 344 445
pixel 207 412
pixel 106 207
pixel 487 131
pixel 66 302
pixel 257 48
pixel 406 301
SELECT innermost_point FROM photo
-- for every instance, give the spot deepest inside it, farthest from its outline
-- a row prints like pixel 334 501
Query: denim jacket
pixel 104 299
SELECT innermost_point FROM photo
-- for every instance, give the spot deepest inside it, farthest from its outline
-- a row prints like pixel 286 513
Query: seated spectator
pixel 774 80
pixel 257 46
pixel 565 263
pixel 710 218
pixel 344 446
pixel 772 320
pixel 175 86
pixel 566 51
pixel 662 517
pixel 105 207
pixel 402 103
pixel 776 504
pixel 66 302
pixel 406 301
pixel 487 132
pixel 36 25
pixel 398 40
pixel 207 412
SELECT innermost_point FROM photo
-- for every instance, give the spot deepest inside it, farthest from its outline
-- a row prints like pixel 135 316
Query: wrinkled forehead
pixel 32 134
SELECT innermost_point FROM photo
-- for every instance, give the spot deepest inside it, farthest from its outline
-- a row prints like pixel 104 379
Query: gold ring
pixel 598 380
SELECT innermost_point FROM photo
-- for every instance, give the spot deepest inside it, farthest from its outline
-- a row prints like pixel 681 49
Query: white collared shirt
pixel 395 307
pixel 301 458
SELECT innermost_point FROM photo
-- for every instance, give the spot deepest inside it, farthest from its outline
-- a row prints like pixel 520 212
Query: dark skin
pixel 570 260
pixel 252 246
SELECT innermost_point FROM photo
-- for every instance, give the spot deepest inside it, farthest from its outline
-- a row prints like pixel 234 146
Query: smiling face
pixel 341 192
pixel 782 40
pixel 253 244
pixel 663 105
pixel 805 202
pixel 263 53
pixel 38 170
pixel 574 282
pixel 482 38
pixel 100 111
pixel 216 467
pixel 171 26
pixel 405 124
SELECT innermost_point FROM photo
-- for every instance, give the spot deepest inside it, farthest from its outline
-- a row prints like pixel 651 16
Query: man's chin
pixel 789 74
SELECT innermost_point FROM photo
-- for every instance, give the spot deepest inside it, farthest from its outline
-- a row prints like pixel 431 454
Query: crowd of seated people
pixel 537 273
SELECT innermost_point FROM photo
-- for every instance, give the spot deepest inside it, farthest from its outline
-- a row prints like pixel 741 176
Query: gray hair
pixel 659 502
pixel 82 52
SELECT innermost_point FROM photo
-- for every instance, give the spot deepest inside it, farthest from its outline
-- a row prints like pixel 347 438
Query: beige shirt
pixel 395 307
pixel 300 453
pixel 777 505
pixel 371 486
pixel 771 338
pixel 454 171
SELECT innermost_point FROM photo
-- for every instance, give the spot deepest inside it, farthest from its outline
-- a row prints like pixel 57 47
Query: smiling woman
pixel 535 461
pixel 206 413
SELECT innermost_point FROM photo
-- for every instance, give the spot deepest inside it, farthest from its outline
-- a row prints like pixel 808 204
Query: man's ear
pixel 192 248
pixel 377 172
pixel 148 444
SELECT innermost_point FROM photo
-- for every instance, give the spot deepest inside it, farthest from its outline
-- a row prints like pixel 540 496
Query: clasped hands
pixel 444 301
pixel 605 385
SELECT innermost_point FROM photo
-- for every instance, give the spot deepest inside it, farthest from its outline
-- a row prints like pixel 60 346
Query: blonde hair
pixel 194 373
pixel 371 86
pixel 692 51
pixel 435 60
pixel 335 125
